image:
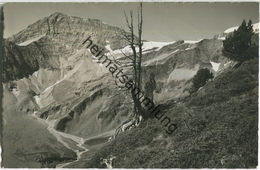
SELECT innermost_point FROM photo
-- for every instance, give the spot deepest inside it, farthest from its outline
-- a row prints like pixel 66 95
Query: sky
pixel 167 21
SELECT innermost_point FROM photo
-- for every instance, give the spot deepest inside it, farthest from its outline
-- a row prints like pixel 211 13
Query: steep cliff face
pixel 43 43
pixel 23 61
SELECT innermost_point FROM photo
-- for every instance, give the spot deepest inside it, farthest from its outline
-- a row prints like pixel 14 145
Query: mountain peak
pixel 55 14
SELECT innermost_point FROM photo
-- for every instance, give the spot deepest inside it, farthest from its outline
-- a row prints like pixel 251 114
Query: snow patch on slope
pixel 16 92
pixel 37 100
pixel 192 41
pixel 189 48
pixel 158 45
pixel 109 48
pixel 215 66
pixel 222 38
pixel 27 42
pixel 182 74
pixel 147 46
pixel 159 58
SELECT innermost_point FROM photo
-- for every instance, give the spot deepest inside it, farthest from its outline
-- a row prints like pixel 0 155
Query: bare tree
pixel 133 61
pixel 135 42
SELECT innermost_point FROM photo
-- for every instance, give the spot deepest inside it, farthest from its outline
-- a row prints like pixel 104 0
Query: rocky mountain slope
pixel 51 38
pixel 210 132
pixel 52 76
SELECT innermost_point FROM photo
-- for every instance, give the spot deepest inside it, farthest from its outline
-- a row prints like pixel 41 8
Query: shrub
pixel 200 79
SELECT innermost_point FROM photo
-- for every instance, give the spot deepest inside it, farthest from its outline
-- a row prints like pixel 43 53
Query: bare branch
pixel 126 19
pixel 127 56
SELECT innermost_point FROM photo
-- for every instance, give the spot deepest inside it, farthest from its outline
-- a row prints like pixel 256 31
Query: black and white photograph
pixel 129 84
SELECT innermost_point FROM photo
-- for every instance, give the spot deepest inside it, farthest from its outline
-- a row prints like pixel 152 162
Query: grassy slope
pixel 217 127
pixel 26 142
